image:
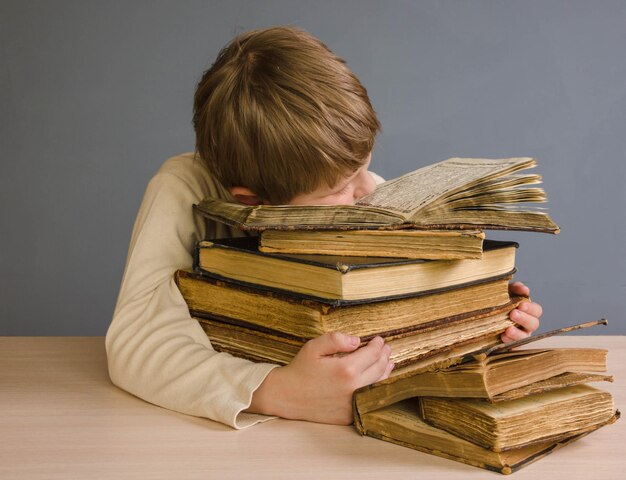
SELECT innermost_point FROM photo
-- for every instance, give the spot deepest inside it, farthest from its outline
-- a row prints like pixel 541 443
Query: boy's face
pixel 346 192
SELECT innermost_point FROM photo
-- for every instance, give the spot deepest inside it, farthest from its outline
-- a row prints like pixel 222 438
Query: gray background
pixel 96 95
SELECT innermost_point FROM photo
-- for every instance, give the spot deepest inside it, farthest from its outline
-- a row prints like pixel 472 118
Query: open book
pixel 454 194
pixel 502 436
pixel 414 380
pixel 498 377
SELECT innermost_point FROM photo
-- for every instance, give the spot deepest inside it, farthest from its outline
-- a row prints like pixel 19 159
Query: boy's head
pixel 281 116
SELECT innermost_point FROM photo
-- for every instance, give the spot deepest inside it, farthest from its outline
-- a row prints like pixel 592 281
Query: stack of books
pixel 266 306
pixel 408 263
pixel 499 409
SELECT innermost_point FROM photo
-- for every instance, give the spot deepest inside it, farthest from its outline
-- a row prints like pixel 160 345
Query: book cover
pixel 307 317
pixel 401 424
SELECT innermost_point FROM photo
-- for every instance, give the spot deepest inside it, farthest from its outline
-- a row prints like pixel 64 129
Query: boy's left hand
pixel 526 315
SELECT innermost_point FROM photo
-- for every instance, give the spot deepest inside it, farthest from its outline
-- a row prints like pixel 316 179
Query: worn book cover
pixel 401 424
pixel 306 317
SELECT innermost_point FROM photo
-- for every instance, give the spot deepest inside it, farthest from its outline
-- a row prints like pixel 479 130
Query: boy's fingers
pixel 358 362
pixel 513 333
pixel 526 321
pixel 377 371
pixel 518 288
pixel 531 308
pixel 387 371
pixel 331 343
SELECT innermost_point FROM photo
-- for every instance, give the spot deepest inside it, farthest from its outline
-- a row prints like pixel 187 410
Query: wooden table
pixel 60 417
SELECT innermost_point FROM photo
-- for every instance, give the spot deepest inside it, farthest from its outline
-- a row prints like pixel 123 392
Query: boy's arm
pixel 318 385
pixel 155 350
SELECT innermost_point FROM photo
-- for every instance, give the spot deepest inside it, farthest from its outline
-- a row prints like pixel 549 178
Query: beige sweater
pixel 155 350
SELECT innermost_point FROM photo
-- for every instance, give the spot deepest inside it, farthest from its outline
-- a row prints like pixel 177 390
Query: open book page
pixel 417 190
pixel 557 382
pixel 508 182
pixel 592 397
pixel 300 217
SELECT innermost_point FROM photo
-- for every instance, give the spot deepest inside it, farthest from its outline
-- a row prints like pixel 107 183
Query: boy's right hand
pixel 318 384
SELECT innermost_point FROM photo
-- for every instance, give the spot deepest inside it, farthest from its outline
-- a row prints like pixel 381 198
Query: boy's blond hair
pixel 282 115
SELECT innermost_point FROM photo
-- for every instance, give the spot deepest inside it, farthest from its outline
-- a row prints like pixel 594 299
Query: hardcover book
pixel 405 243
pixel 546 416
pixel 401 424
pixel 415 344
pixel 347 278
pixel 304 317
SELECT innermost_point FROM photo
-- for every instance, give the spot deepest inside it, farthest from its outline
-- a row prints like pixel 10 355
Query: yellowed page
pixel 416 190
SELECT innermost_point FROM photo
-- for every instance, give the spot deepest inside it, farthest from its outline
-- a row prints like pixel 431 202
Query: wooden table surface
pixel 60 417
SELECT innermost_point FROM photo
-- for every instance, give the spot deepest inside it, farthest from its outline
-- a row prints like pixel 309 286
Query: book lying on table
pixel 347 278
pixel 298 315
pixel 423 341
pixel 405 243
pixel 547 416
pixel 497 377
pixel 401 424
pixel 456 193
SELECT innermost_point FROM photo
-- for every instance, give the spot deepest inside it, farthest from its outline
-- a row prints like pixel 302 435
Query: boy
pixel 278 119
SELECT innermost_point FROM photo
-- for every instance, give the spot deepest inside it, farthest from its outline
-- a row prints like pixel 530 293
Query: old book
pixel 401 424
pixel 419 343
pixel 304 317
pixel 497 377
pixel 546 416
pixel 386 392
pixel 456 193
pixel 404 243
pixel 348 278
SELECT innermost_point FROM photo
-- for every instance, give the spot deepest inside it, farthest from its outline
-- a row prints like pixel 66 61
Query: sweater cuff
pixel 257 375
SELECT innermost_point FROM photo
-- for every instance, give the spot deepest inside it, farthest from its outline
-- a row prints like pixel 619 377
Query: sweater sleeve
pixel 155 350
